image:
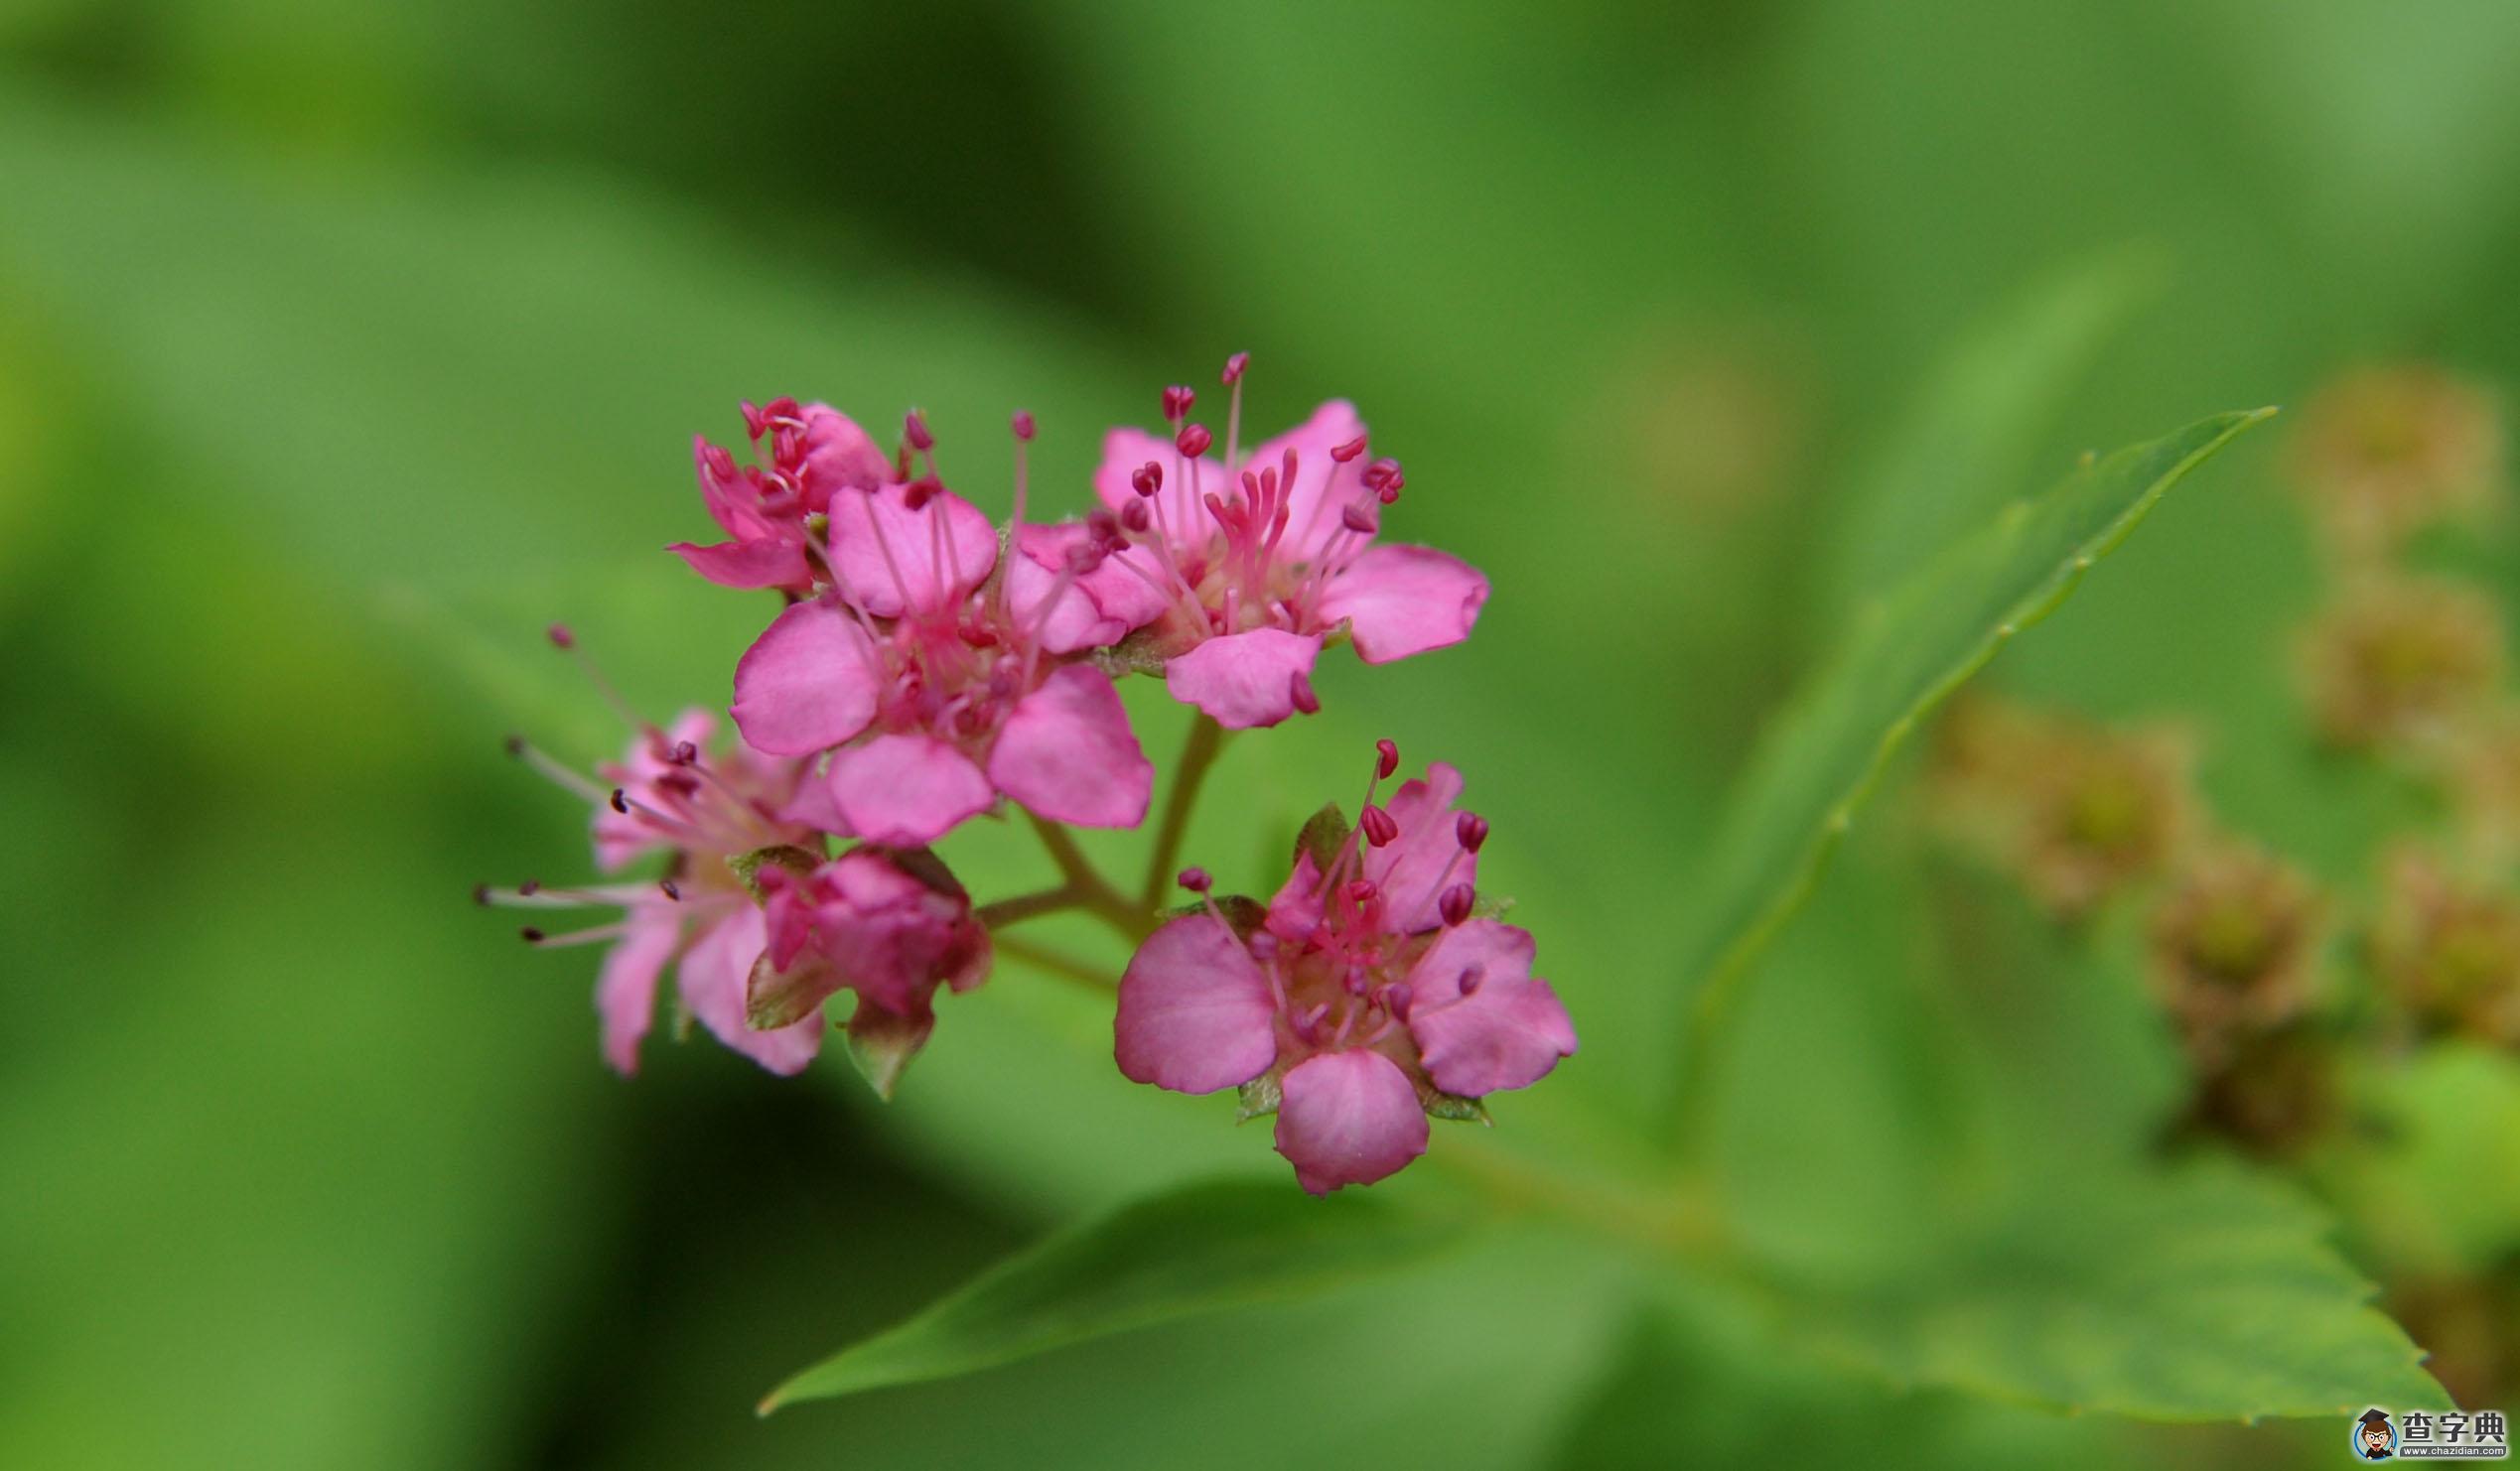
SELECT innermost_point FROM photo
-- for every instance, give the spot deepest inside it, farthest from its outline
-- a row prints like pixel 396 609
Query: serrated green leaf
pixel 1825 753
pixel 1965 444
pixel 2199 1297
pixel 1194 1250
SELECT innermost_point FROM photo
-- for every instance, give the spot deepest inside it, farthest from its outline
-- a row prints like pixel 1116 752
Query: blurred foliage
pixel 348 345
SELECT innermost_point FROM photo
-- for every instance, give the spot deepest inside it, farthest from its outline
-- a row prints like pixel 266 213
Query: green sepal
pixel 774 998
pixel 748 865
pixel 1451 1105
pixel 882 1042
pixel 1244 914
pixel 1258 1098
pixel 1325 833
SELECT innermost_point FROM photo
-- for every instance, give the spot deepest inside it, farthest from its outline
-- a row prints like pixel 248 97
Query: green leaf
pixel 2201 1295
pixel 1968 440
pixel 1200 1249
pixel 1826 751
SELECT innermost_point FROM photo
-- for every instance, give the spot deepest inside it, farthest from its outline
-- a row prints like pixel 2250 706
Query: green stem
pixel 1057 963
pixel 999 913
pixel 1091 891
pixel 1198 752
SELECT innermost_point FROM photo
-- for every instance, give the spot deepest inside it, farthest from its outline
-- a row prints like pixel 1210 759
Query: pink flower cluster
pixel 926 667
pixel 1368 994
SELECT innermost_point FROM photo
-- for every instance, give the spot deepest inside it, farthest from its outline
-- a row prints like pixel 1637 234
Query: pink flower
pixel 937 680
pixel 1255 561
pixel 889 926
pixel 1366 997
pixel 814 450
pixel 703 811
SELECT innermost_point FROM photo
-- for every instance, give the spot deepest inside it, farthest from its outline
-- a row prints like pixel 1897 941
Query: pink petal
pixel 1244 679
pixel 621 837
pixel 907 790
pixel 1508 1033
pixel 1349 1119
pixel 764 562
pixel 1076 621
pixel 1179 515
pixel 712 979
pixel 839 454
pixel 1401 601
pixel 625 989
pixel 1195 1012
pixel 1418 866
pixel 1100 606
pixel 1067 752
pixel 949 535
pixel 812 806
pixel 1322 484
pixel 808 682
pixel 1295 911
pixel 731 500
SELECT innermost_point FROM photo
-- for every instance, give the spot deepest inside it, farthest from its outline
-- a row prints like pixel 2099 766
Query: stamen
pixel 1234 367
pixel 1455 904
pixel 1386 757
pixel 595 936
pixel 567 643
pixel 572 782
pixel 1380 826
pixel 1471 830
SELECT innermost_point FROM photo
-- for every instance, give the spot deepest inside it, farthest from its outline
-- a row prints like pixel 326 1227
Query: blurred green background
pixel 346 346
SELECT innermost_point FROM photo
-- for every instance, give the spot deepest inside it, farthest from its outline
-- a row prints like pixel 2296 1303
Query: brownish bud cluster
pixel 2075 810
pixel 2385 452
pixel 2402 661
pixel 2448 949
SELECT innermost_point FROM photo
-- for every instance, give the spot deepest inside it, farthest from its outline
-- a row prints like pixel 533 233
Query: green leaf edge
pixel 1416 1239
pixel 1711 990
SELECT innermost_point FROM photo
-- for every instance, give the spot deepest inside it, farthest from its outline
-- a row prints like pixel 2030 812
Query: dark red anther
pixel 1024 426
pixel 560 637
pixel 1196 879
pixel 529 935
pixel 1454 903
pixel 1177 403
pixel 1396 999
pixel 1298 688
pixel 1358 519
pixel 1472 830
pixel 1386 759
pixel 1383 473
pixel 1471 977
pixel 621 803
pixel 917 495
pixel 1381 828
pixel 1234 366
pixel 1194 440
pixel 1361 891
pixel 1349 450
pixel 529 887
pixel 680 783
pixel 914 430
pixel 514 745
pixel 1147 479
pixel 683 754
pixel 672 889
pixel 481 894
pixel 1137 518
